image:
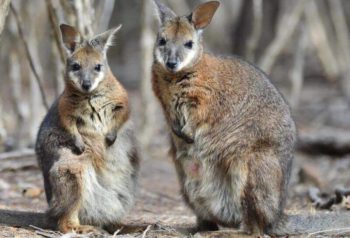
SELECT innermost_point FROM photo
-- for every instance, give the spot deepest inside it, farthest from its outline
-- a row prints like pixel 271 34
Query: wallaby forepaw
pixel 79 146
pixel 110 138
pixel 187 138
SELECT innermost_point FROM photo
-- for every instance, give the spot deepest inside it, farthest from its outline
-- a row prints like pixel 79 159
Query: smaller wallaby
pixel 85 146
pixel 232 133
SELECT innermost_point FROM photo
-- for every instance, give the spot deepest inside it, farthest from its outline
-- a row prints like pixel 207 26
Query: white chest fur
pixel 108 194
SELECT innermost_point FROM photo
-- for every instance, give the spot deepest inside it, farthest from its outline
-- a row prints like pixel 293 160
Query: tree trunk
pixel 4 9
pixel 149 106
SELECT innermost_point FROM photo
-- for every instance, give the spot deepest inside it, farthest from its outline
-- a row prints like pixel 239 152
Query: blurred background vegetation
pixel 303 45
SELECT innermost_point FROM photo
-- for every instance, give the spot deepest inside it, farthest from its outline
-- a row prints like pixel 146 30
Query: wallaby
pixel 85 146
pixel 232 133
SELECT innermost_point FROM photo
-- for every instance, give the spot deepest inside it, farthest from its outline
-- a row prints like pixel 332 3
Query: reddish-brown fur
pixel 232 132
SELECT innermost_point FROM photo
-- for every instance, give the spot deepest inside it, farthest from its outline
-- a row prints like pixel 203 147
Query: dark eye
pixel 76 67
pixel 189 44
pixel 98 67
pixel 162 41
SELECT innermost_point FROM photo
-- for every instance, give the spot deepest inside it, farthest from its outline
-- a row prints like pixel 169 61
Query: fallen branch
pixel 17 154
pixel 321 202
pixel 326 201
pixel 16 160
pixel 324 141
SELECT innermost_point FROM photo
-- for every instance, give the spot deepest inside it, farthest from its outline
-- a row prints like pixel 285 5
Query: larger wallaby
pixel 232 132
pixel 85 146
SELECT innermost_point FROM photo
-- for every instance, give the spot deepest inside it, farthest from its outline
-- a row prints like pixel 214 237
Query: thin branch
pixel 145 232
pixel 103 15
pixel 53 16
pixel 297 72
pixel 29 56
pixel 319 38
pixel 286 28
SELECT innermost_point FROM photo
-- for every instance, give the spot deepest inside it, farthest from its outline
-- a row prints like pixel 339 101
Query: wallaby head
pixel 179 41
pixel 86 63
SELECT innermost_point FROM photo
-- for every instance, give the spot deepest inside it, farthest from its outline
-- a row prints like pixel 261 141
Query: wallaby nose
pixel 86 85
pixel 171 65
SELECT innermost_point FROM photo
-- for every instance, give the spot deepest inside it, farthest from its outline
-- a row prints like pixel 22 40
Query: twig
pixel 29 56
pixel 46 233
pixel 117 232
pixel 145 232
pixel 296 73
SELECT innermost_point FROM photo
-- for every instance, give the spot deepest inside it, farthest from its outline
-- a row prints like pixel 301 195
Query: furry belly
pixel 213 194
pixel 105 199
pixel 109 190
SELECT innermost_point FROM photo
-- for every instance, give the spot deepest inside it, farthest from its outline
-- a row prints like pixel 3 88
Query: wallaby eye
pixel 162 41
pixel 98 67
pixel 189 44
pixel 76 67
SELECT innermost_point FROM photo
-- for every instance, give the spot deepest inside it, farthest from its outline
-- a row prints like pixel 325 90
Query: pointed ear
pixel 164 13
pixel 202 15
pixel 70 37
pixel 105 39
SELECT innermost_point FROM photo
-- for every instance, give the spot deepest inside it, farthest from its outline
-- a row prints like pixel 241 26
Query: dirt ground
pixel 159 202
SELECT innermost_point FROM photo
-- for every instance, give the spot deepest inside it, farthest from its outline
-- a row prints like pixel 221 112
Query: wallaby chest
pixel 96 113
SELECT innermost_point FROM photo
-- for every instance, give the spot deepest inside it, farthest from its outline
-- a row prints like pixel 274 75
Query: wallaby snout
pixel 86 85
pixel 171 65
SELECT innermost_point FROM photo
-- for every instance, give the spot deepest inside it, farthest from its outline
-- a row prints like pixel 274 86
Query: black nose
pixel 86 85
pixel 171 65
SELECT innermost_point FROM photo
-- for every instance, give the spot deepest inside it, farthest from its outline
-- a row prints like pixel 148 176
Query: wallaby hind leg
pixel 66 177
pixel 263 193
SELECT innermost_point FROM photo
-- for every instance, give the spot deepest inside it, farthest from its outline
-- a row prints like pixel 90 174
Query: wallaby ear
pixel 164 13
pixel 202 15
pixel 105 39
pixel 70 37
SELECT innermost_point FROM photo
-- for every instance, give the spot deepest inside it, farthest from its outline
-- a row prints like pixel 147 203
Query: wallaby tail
pixel 26 219
pixel 310 223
